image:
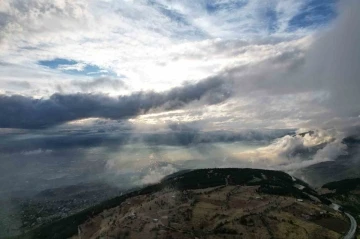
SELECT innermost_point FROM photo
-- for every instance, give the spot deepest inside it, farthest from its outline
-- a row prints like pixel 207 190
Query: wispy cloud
pixel 270 59
pixel 151 44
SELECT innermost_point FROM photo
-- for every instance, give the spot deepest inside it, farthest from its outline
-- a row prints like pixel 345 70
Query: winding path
pixel 352 231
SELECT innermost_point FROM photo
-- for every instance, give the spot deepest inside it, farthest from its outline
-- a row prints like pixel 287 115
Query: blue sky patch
pixel 214 6
pixel 75 68
pixel 53 64
pixel 271 20
pixel 185 29
pixel 314 13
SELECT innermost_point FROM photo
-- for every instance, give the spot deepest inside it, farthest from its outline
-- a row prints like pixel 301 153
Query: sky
pixel 121 83
pixel 282 64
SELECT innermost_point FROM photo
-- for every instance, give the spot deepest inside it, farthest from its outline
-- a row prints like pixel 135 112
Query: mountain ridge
pixel 267 182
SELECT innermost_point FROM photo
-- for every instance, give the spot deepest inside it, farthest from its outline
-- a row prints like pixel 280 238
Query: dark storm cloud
pixel 25 112
pixel 62 141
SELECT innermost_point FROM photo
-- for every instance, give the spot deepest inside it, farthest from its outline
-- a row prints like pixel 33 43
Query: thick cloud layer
pixel 309 82
pixel 24 112
pixel 316 86
pixel 332 62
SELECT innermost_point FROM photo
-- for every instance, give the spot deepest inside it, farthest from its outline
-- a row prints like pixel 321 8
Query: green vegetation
pixel 346 193
pixel 343 186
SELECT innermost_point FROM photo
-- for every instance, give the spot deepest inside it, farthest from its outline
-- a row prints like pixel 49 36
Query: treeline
pixel 344 194
pixel 343 186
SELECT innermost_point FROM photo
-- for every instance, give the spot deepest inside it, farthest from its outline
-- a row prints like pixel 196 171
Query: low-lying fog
pixel 125 158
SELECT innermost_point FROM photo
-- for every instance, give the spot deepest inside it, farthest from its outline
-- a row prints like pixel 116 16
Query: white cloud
pixel 156 174
pixel 76 67
pixel 295 152
pixel 36 152
pixel 152 48
pixel 162 44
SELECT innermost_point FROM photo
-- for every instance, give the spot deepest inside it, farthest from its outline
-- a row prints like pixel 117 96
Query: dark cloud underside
pixel 25 112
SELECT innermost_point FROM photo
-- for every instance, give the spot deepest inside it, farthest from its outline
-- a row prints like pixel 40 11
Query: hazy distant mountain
pixel 345 166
